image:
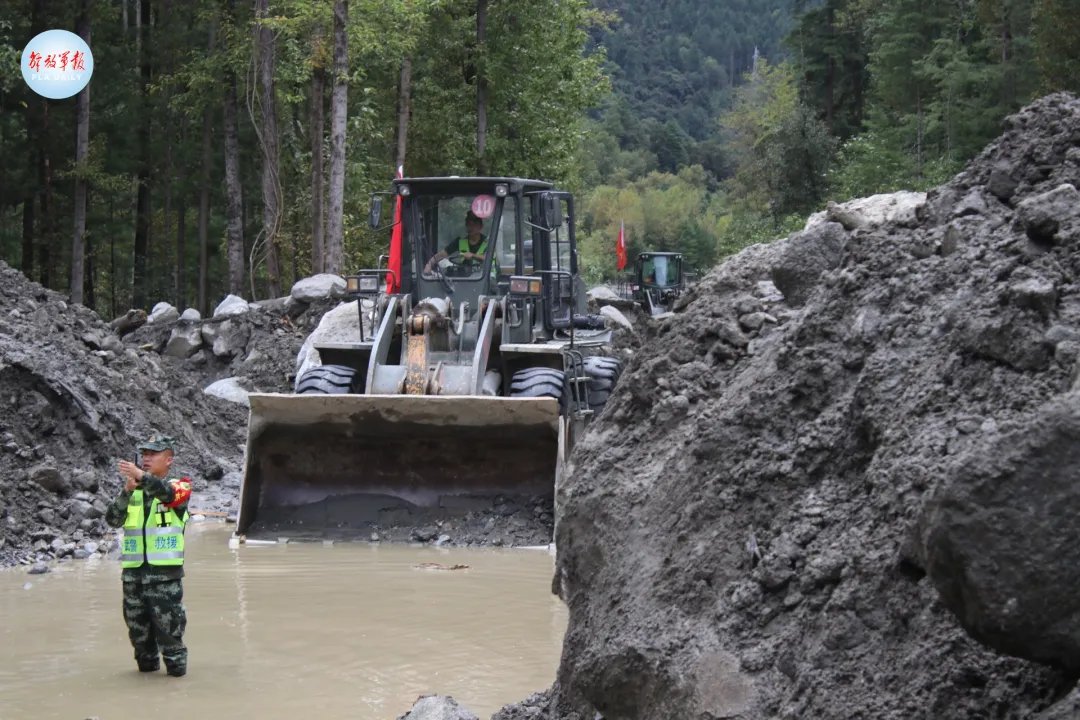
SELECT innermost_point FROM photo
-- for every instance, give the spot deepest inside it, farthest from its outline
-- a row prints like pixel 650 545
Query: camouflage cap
pixel 158 442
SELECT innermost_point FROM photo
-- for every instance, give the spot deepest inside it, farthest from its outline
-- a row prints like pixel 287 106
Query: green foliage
pixel 543 78
pixel 660 212
pixel 674 65
pixel 830 46
pixel 939 78
pixel 783 151
pixel 1057 44
pixel 540 83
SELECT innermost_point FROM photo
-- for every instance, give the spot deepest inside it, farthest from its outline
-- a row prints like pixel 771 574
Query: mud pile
pixel 77 398
pixel 79 393
pixel 849 453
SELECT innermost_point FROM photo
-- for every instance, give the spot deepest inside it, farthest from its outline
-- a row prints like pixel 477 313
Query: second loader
pixel 659 281
pixel 478 373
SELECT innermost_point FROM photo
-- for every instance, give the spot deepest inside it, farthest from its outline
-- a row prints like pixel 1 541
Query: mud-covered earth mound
pixel 848 455
pixel 81 393
pixel 77 398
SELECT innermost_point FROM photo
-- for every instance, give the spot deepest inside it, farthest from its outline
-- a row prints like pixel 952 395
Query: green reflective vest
pixel 156 538
pixel 463 245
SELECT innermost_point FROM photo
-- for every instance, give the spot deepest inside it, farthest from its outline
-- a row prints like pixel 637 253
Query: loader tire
pixel 603 374
pixel 538 382
pixel 327 380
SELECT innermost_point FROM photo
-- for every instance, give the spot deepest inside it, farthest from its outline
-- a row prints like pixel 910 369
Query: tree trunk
pixel 33 159
pixel 318 128
pixel 142 202
pixel 339 106
pixel 204 206
pixel 48 222
pixel 271 184
pixel 160 281
pixel 404 108
pixel 234 196
pixel 27 264
pixel 112 264
pixel 481 86
pixel 181 254
pixel 82 146
pixel 89 299
pixel 830 74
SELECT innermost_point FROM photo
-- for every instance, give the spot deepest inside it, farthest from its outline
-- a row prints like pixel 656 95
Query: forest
pixel 232 147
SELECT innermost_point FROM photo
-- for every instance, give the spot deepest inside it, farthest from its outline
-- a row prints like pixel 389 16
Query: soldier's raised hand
pixel 132 473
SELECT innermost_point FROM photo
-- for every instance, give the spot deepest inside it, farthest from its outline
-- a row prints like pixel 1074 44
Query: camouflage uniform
pixel 153 595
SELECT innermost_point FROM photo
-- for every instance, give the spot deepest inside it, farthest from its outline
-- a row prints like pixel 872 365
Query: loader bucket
pixel 331 466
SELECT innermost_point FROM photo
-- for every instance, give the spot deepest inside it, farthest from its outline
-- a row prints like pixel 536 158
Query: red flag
pixel 393 280
pixel 620 248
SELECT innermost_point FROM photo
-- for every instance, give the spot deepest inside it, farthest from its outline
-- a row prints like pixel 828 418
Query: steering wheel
pixel 441 272
pixel 460 267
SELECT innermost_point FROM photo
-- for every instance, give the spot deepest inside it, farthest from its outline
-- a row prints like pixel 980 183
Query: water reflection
pixel 285 631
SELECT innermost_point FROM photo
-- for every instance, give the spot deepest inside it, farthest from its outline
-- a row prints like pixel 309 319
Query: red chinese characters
pixel 62 61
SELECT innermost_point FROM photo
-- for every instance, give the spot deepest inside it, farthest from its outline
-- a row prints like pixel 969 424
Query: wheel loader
pixel 659 280
pixel 477 373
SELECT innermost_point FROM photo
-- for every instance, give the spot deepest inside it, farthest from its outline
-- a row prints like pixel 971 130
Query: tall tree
pixel 338 116
pixel 82 147
pixel 481 86
pixel 267 242
pixel 318 132
pixel 404 107
pixel 142 190
pixel 234 190
pixel 32 113
pixel 204 188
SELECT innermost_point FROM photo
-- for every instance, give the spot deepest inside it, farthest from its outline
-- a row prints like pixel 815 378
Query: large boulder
pixel 231 389
pixel 616 317
pixel 805 256
pixel 48 476
pixel 602 292
pixel 162 313
pixel 191 315
pixel 226 338
pixel 231 305
pixel 318 287
pixel 340 325
pixel 1045 215
pixel 438 707
pixel 185 340
pixel 130 321
pixel 899 208
pixel 1066 709
pixel 1001 540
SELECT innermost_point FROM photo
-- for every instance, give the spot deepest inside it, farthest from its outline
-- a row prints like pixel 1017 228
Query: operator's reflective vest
pixel 463 245
pixel 156 538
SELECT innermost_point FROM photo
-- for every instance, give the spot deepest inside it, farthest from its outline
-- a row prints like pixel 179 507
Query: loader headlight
pixel 362 284
pixel 501 190
pixel 404 190
pixel 525 286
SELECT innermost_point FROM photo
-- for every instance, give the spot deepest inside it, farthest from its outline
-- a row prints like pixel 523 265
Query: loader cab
pixel 525 228
pixel 662 271
pixel 659 280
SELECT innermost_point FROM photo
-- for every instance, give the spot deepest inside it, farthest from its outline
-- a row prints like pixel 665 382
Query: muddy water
pixel 287 631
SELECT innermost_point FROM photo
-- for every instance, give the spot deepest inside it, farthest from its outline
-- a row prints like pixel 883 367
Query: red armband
pixel 181 492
